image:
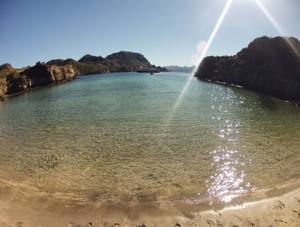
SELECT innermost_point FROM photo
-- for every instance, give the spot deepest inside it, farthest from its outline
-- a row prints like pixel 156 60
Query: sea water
pixel 113 139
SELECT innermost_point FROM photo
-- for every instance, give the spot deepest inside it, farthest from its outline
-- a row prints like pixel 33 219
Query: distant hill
pixel 132 61
pixel 122 61
pixel 176 68
pixel 268 65
pixel 91 59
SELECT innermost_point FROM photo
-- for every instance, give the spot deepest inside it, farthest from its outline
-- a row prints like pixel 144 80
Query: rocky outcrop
pixel 268 65
pixel 17 83
pixel 43 74
pixel 3 88
pixel 37 76
pixel 5 69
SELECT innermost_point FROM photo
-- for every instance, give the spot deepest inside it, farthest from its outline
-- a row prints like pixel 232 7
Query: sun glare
pixel 206 45
pixel 276 25
pixel 203 53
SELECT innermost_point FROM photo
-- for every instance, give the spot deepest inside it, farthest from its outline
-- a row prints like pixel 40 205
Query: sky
pixel 166 32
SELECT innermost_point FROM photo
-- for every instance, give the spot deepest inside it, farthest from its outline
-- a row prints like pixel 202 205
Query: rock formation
pixel 36 76
pixel 5 69
pixel 42 74
pixel 268 65
pixel 3 88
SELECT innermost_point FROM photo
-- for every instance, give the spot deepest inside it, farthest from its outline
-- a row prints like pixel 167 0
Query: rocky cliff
pixel 43 74
pixel 268 65
pixel 36 76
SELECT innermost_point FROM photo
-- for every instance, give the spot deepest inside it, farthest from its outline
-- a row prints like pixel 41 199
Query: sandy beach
pixel 20 207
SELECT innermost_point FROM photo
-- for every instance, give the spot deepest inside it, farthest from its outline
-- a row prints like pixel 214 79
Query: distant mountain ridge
pixel 184 69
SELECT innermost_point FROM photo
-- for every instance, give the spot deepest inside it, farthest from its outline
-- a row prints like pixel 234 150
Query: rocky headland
pixel 268 65
pixel 15 81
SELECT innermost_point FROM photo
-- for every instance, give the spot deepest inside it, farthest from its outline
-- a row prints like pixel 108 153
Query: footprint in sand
pixel 219 224
pixel 298 200
pixel 210 223
pixel 279 204
pixel 20 224
pixel 297 212
pixel 280 221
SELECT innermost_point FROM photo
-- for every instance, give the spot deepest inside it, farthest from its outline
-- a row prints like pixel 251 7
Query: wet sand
pixel 24 207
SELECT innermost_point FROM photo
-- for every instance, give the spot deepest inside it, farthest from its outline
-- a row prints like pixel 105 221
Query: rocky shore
pixel 268 65
pixel 40 75
pixel 15 81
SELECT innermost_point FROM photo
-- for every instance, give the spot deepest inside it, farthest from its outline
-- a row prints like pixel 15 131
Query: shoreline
pixel 19 207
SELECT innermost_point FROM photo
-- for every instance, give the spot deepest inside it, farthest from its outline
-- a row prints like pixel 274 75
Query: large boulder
pixel 268 65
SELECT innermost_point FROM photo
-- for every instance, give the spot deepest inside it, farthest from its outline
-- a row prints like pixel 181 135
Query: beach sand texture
pixel 20 209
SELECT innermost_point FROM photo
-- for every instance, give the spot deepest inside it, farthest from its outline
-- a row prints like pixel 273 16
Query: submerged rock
pixel 268 65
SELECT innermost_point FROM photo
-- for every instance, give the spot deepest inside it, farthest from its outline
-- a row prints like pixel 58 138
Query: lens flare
pixel 213 34
pixel 211 38
pixel 278 28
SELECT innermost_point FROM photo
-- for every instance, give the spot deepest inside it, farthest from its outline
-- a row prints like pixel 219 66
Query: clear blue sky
pixel 166 32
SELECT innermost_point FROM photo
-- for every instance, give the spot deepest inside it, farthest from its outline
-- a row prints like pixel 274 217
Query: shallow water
pixel 113 139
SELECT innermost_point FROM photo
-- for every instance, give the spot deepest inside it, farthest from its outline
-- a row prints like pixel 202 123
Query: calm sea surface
pixel 117 139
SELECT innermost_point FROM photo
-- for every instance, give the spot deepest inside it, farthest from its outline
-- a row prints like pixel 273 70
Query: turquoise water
pixel 113 139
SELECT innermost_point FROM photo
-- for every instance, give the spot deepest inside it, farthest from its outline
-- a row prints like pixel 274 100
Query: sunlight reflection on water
pixel 228 181
pixel 107 146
